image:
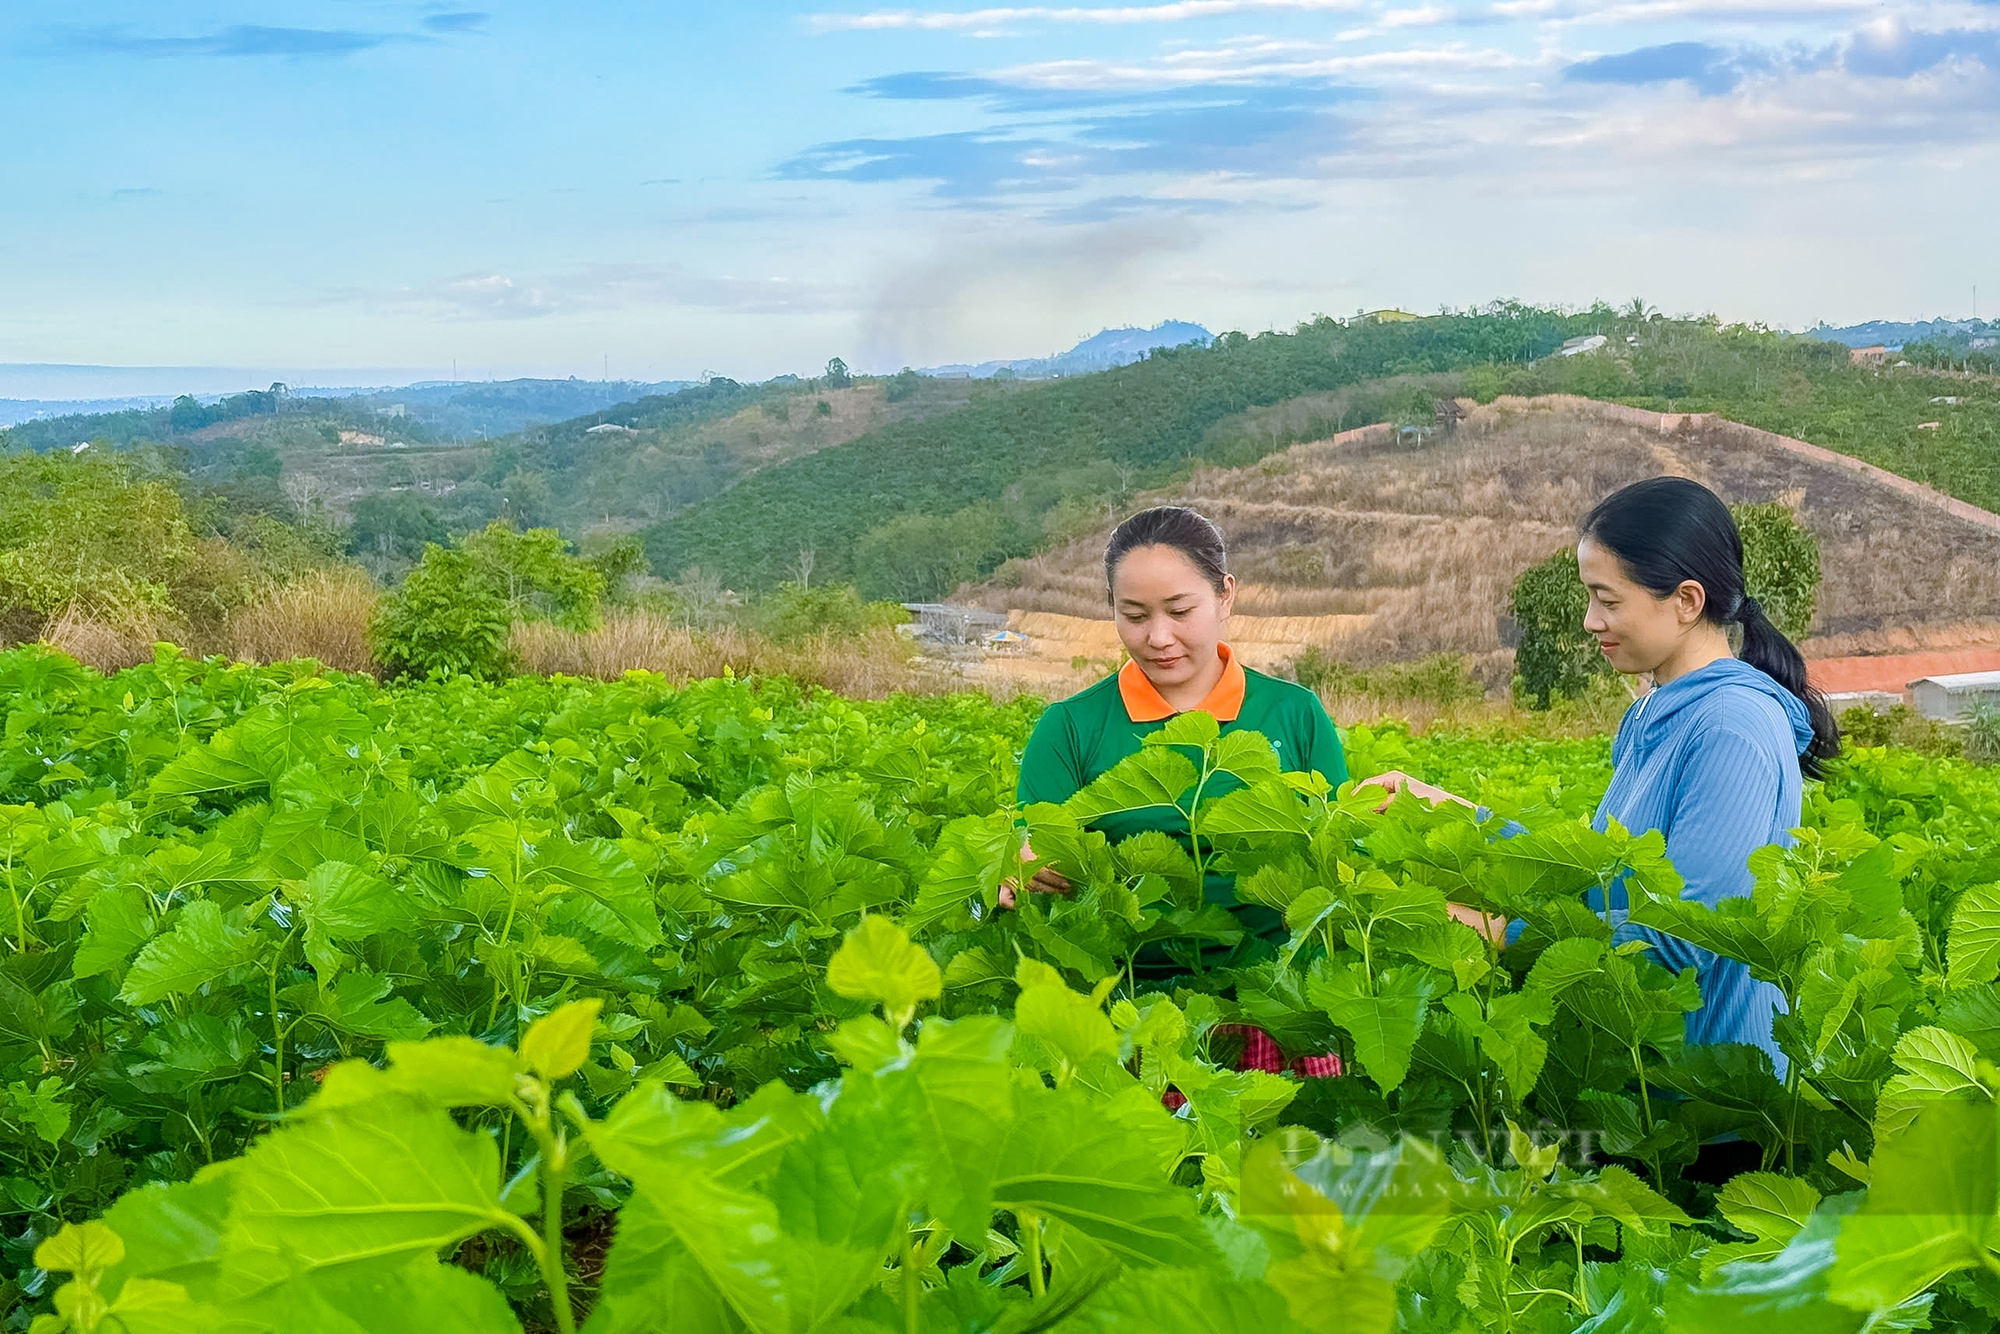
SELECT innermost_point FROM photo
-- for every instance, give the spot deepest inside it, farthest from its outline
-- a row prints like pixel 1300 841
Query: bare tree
pixel 807 558
pixel 306 491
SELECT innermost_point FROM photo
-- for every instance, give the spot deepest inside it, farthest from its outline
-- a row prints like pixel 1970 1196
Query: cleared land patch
pixel 1401 547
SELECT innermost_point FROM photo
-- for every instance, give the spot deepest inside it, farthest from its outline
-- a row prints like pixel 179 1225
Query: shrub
pixel 1441 678
pixel 1900 725
pixel 1556 655
pixel 1981 738
pixel 450 618
pixel 794 612
pixel 1780 565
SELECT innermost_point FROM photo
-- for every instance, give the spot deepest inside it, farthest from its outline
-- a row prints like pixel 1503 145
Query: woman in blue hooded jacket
pixel 1715 754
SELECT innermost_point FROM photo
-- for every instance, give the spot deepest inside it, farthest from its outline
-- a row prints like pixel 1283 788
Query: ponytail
pixel 1766 648
pixel 1668 531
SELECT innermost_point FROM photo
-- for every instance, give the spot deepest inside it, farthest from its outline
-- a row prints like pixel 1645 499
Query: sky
pixel 663 190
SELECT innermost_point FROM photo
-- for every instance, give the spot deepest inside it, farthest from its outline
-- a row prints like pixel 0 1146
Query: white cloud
pixel 987 21
pixel 1234 66
pixel 600 287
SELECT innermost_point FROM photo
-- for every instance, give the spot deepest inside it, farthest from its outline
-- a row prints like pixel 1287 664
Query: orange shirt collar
pixel 1145 704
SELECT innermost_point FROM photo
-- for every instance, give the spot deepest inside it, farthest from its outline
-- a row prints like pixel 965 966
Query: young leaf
pixel 557 1044
pixel 83 1249
pixel 1071 1026
pixel 879 962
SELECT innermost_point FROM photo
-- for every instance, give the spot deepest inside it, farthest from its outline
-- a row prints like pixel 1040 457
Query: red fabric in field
pixel 1261 1053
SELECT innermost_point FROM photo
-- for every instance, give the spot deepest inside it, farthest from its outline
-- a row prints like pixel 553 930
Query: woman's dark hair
pixel 1669 530
pixel 1187 531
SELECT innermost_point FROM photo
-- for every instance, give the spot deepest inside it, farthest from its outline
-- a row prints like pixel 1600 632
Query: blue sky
pixel 752 188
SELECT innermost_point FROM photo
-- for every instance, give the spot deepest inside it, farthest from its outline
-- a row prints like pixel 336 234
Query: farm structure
pixel 1954 698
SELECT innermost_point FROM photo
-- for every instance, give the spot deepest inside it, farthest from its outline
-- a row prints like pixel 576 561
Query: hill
pixel 1375 549
pixel 1099 352
pixel 1893 333
pixel 909 510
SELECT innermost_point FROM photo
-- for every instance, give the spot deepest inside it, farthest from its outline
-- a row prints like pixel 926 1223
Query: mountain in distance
pixel 1100 352
pixel 451 408
pixel 1892 333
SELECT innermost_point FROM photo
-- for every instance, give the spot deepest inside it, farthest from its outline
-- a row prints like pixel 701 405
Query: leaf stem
pixel 1031 1251
pixel 913 1286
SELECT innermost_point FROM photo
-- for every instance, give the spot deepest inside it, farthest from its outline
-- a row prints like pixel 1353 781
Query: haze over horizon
pixel 529 190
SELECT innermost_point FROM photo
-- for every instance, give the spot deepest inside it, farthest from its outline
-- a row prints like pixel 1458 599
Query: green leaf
pixel 82 1249
pixel 961 1101
pixel 1152 778
pixel 1384 1021
pixel 1073 1027
pixel 1195 728
pixel 202 947
pixel 1248 755
pixel 422 1297
pixel 879 962
pixel 1771 1208
pixel 393 1176
pixel 557 1044
pixel 1929 1209
pixel 116 924
pixel 1069 1158
pixel 1507 1034
pixel 1932 1064
pixel 972 856
pixel 344 903
pixel 1972 953
pixel 1266 808
pixel 449 1071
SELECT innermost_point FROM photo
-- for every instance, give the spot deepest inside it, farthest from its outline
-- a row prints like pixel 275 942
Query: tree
pixel 538 577
pixel 392 528
pixel 837 375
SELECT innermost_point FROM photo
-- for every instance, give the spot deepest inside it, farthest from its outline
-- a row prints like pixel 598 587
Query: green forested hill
pixel 908 509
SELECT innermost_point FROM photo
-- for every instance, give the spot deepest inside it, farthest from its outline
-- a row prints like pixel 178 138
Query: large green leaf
pixel 1153 778
pixel 1930 1206
pixel 1384 1020
pixel 960 1092
pixel 1070 1158
pixel 1973 951
pixel 344 903
pixel 972 856
pixel 117 923
pixel 388 1179
pixel 202 947
pixel 1772 1208
pixel 1072 1027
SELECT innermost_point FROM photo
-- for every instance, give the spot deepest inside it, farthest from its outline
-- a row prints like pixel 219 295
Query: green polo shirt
pixel 1079 738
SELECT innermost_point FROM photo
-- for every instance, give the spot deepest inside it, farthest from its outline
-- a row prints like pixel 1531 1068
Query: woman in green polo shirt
pixel 1171 594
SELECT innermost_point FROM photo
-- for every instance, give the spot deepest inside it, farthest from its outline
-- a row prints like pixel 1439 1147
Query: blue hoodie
pixel 1711 759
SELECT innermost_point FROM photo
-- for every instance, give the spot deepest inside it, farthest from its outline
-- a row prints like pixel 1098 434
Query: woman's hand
pixel 1493 928
pixel 1397 781
pixel 1045 881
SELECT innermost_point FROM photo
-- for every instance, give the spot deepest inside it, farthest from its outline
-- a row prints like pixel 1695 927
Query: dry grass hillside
pixel 1401 550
